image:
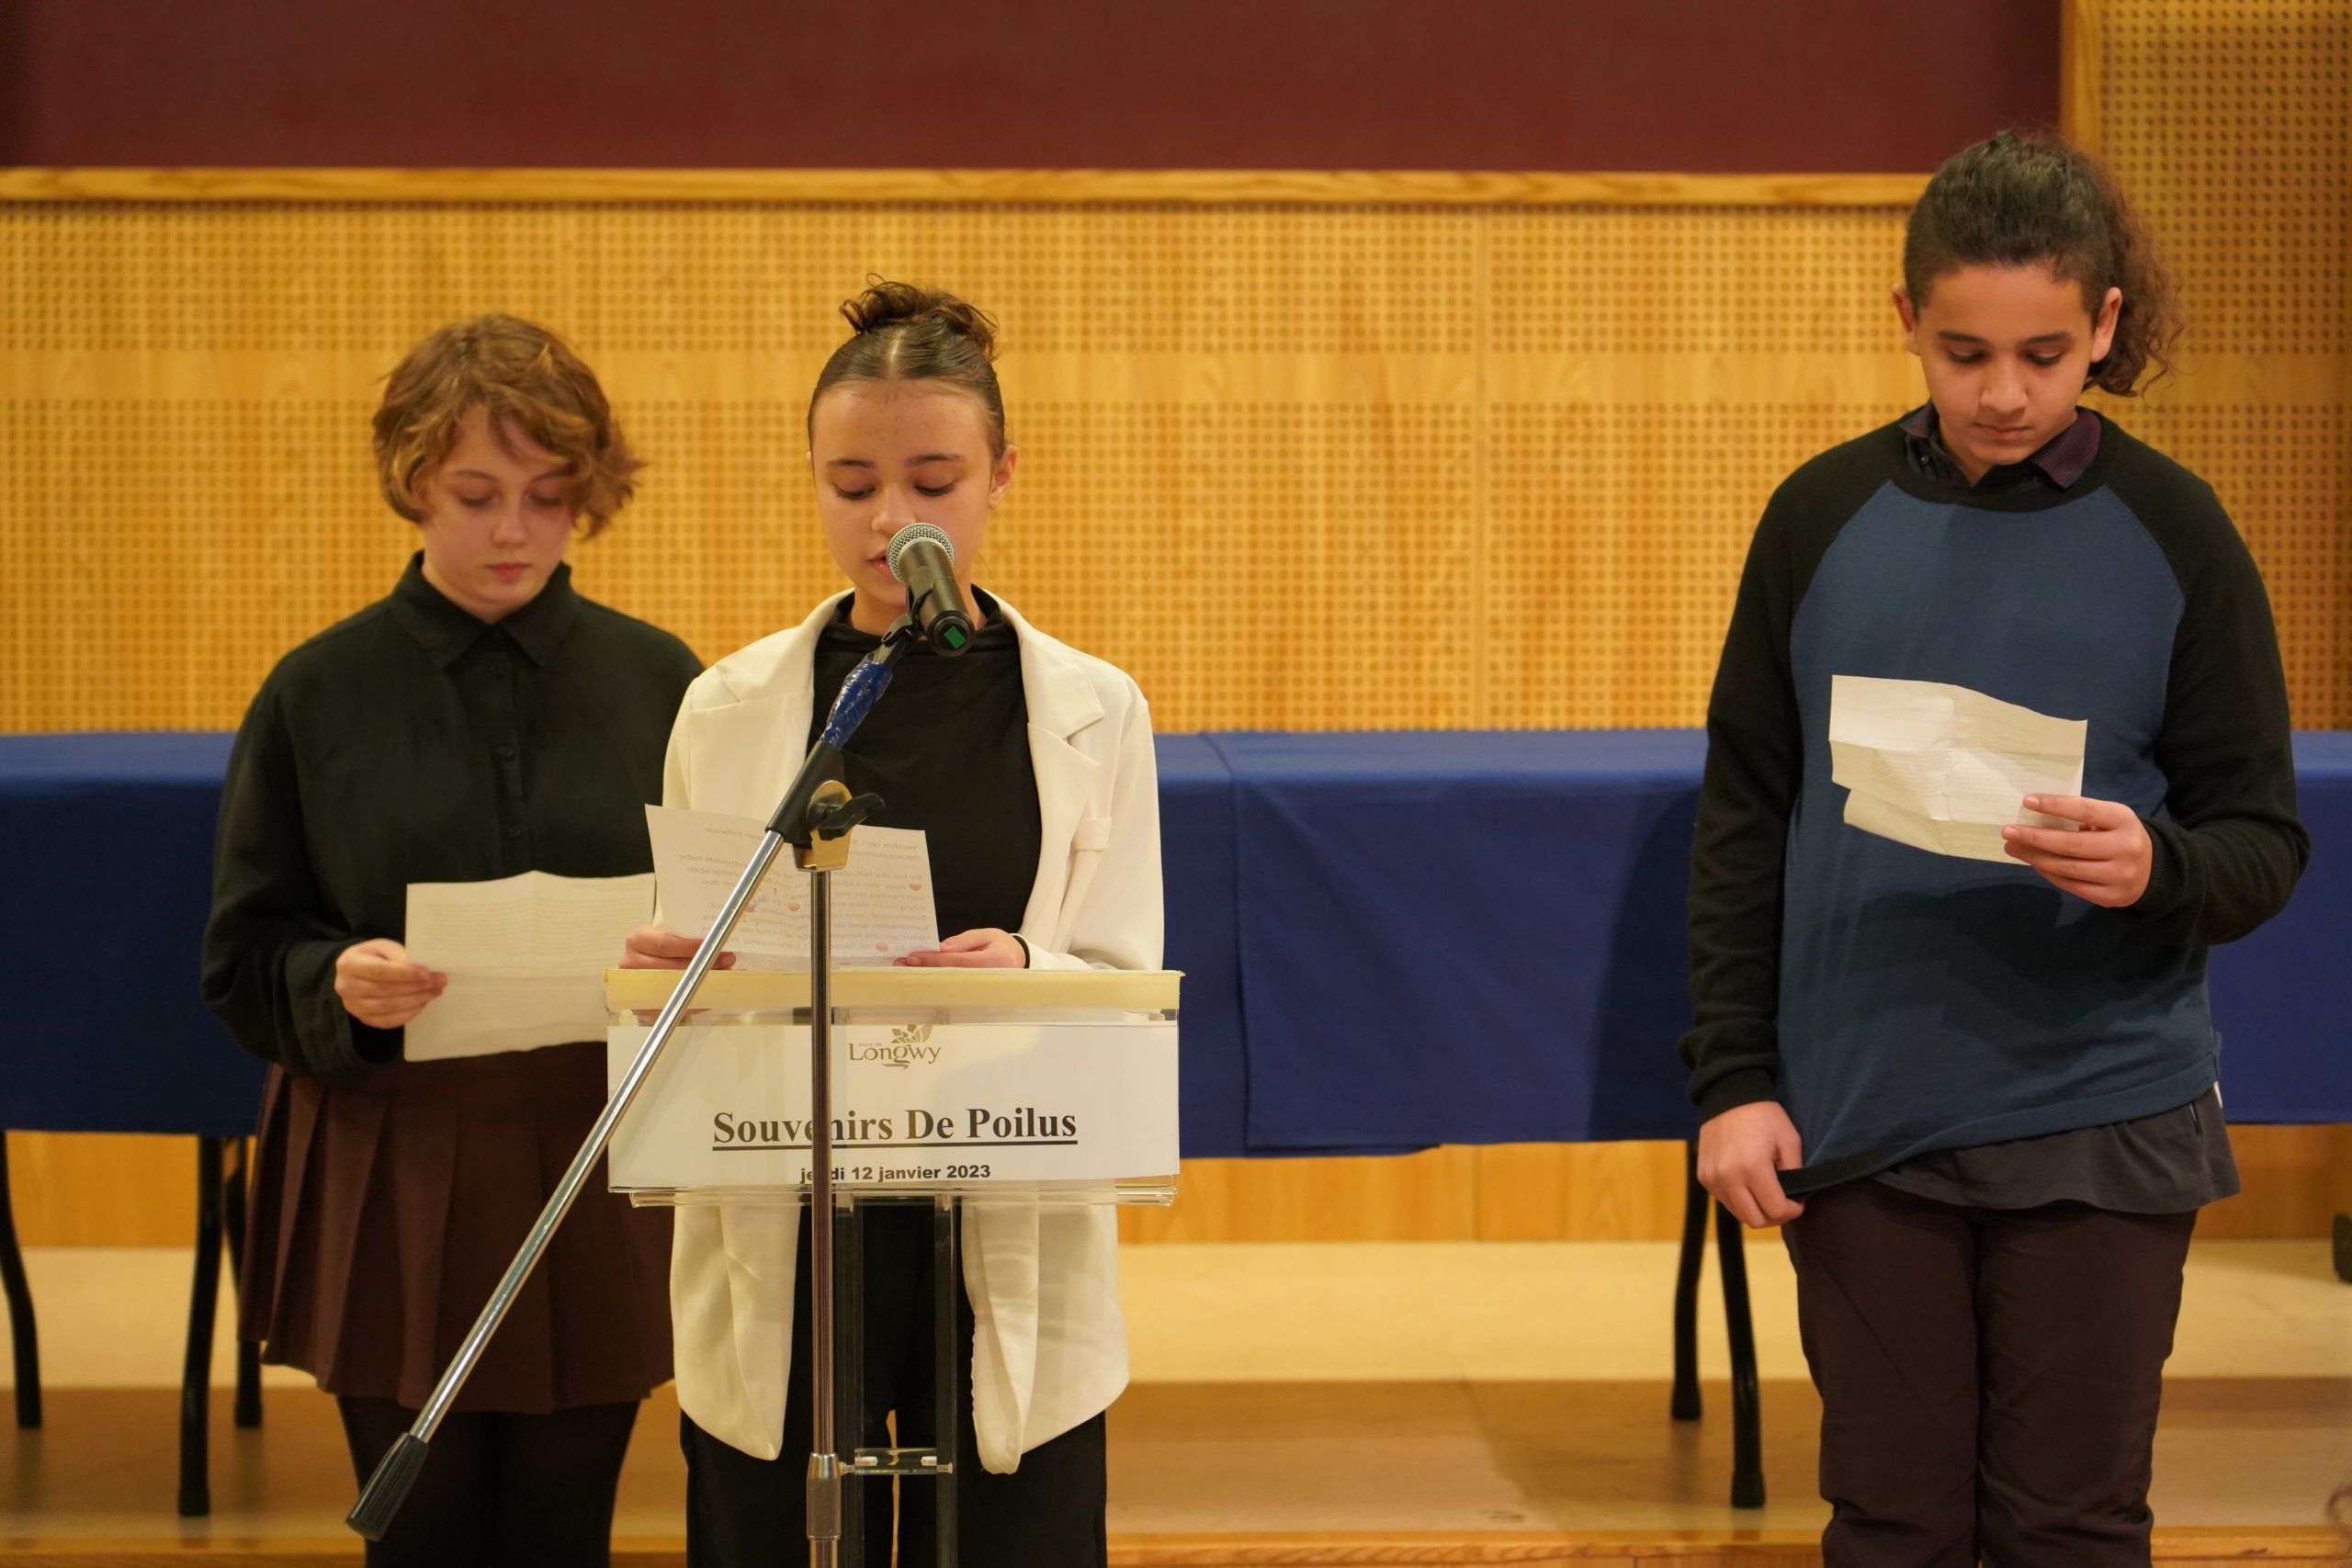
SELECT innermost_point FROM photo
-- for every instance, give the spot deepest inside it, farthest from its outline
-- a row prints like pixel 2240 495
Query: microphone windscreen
pixel 914 533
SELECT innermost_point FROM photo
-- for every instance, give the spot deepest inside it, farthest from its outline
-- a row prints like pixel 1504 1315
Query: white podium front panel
pixel 917 1106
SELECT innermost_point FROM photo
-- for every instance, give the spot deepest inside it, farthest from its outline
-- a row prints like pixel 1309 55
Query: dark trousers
pixel 498 1491
pixel 750 1513
pixel 1989 1378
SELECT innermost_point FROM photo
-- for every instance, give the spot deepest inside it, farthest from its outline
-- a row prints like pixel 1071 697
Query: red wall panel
pixel 1686 85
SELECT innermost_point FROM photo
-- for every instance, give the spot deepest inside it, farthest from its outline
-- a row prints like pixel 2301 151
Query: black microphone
pixel 922 559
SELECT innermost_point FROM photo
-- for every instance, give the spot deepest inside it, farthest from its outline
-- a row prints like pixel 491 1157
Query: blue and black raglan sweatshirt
pixel 1896 1002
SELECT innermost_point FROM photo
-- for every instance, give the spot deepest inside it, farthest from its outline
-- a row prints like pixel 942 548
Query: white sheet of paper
pixel 525 956
pixel 1942 768
pixel 882 908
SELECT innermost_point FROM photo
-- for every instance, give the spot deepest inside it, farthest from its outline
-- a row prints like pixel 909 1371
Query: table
pixel 1399 940
pixel 1358 914
pixel 107 841
pixel 1391 941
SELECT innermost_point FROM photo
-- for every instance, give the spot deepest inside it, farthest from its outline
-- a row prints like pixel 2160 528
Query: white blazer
pixel 1049 1348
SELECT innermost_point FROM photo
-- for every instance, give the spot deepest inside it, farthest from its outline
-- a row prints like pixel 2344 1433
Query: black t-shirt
pixel 947 750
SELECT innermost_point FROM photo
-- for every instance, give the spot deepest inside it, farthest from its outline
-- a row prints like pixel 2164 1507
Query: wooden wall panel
pixel 2296 1178
pixel 102 1190
pixel 1581 1192
pixel 99 1190
pixel 1430 1196
pixel 2229 123
pixel 1260 406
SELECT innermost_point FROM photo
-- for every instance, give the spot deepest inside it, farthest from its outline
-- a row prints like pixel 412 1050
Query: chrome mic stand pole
pixel 824 1480
pixel 818 807
pixel 830 1523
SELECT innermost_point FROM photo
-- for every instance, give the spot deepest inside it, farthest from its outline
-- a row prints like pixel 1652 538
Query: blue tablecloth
pixel 1476 937
pixel 106 841
pixel 1391 940
pixel 2282 998
pixel 1459 936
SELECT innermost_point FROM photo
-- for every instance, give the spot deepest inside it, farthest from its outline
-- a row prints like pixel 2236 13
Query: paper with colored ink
pixel 881 899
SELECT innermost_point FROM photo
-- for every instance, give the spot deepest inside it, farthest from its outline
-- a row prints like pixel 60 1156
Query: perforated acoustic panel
pixel 1291 466
pixel 2230 123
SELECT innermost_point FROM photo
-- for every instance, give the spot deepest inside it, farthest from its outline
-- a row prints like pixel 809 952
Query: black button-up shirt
pixel 414 743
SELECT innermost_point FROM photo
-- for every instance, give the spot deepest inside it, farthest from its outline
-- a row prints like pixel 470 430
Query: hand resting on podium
pixel 650 947
pixel 985 948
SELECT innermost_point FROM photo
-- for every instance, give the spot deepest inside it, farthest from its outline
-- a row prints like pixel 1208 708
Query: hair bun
pixel 888 304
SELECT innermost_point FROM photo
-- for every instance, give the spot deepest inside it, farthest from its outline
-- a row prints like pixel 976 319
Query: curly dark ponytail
pixel 902 333
pixel 2021 199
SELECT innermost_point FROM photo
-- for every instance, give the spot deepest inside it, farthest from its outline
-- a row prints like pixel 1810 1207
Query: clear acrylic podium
pixel 950 1089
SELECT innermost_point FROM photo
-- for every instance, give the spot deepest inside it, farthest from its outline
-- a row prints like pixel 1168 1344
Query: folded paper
pixel 525 957
pixel 1942 768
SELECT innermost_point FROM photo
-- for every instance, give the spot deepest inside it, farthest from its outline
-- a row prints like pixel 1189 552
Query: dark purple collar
pixel 2060 461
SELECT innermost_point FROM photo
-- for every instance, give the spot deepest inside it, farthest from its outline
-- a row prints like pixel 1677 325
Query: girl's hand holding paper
pixel 2107 861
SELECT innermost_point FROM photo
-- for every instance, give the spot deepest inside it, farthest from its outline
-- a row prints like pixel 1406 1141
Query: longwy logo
pixel 908 1044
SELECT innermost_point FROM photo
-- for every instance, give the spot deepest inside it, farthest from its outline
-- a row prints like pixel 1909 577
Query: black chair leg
pixel 1687 1404
pixel 196 1372
pixel 23 1331
pixel 235 1197
pixel 1747 1414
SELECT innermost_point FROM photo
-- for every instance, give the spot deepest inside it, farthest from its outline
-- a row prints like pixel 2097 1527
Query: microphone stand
pixel 815 818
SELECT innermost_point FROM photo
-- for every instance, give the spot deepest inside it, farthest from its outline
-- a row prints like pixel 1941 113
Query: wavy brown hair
pixel 902 332
pixel 2021 199
pixel 527 379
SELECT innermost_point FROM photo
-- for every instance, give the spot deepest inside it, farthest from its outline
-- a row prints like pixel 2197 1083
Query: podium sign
pixel 920 1106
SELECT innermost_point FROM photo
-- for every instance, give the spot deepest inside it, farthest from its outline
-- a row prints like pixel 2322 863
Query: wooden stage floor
pixel 1393 1439
pixel 1326 1474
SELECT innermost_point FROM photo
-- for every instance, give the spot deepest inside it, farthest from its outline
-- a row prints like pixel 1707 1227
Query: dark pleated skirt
pixel 384 1215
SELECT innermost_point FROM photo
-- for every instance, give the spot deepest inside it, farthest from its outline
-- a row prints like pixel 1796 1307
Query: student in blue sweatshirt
pixel 1981 1097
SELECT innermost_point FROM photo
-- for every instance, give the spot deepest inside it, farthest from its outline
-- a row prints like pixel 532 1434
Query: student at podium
pixel 481 721
pixel 1028 765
